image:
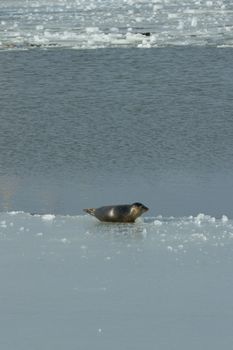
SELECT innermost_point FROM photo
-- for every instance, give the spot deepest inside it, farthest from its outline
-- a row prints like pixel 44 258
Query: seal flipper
pixel 90 211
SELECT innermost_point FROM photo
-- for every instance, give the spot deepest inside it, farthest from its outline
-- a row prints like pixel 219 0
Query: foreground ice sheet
pixel 111 23
pixel 74 283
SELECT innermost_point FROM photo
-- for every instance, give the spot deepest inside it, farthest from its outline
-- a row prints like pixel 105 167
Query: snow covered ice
pixel 70 281
pixel 97 24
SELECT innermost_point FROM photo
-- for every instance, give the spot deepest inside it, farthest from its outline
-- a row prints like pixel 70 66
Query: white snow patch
pixel 3 224
pixel 157 223
pixel 15 212
pixel 199 236
pixel 48 217
pixel 64 240
pixel 194 22
pixel 91 30
pixel 39 234
pixel 159 217
pixel 224 219
pixel 200 218
pixel 172 15
pixel 144 233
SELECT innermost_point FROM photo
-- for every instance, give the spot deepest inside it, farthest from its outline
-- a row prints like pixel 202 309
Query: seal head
pixel 118 213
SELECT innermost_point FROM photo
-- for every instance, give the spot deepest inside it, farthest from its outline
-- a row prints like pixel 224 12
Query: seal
pixel 118 213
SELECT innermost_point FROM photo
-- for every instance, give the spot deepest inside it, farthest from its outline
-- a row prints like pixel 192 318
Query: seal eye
pixel 137 204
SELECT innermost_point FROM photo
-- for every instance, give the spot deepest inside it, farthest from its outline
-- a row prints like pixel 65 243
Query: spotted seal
pixel 118 213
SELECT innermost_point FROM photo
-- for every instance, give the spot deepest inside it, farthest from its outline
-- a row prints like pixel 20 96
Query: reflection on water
pixel 8 189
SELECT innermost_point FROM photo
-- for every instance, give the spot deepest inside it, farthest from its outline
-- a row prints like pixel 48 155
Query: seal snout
pixel 140 206
pixel 145 208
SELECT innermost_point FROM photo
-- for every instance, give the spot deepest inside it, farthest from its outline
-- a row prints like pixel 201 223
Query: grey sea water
pixel 86 128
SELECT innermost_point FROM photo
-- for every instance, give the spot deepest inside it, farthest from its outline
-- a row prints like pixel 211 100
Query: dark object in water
pixel 146 33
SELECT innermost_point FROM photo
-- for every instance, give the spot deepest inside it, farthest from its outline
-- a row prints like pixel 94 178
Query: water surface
pixel 86 128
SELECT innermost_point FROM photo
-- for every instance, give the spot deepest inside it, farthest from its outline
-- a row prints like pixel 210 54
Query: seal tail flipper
pixel 90 211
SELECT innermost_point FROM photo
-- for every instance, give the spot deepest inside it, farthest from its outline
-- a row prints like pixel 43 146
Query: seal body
pixel 118 213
